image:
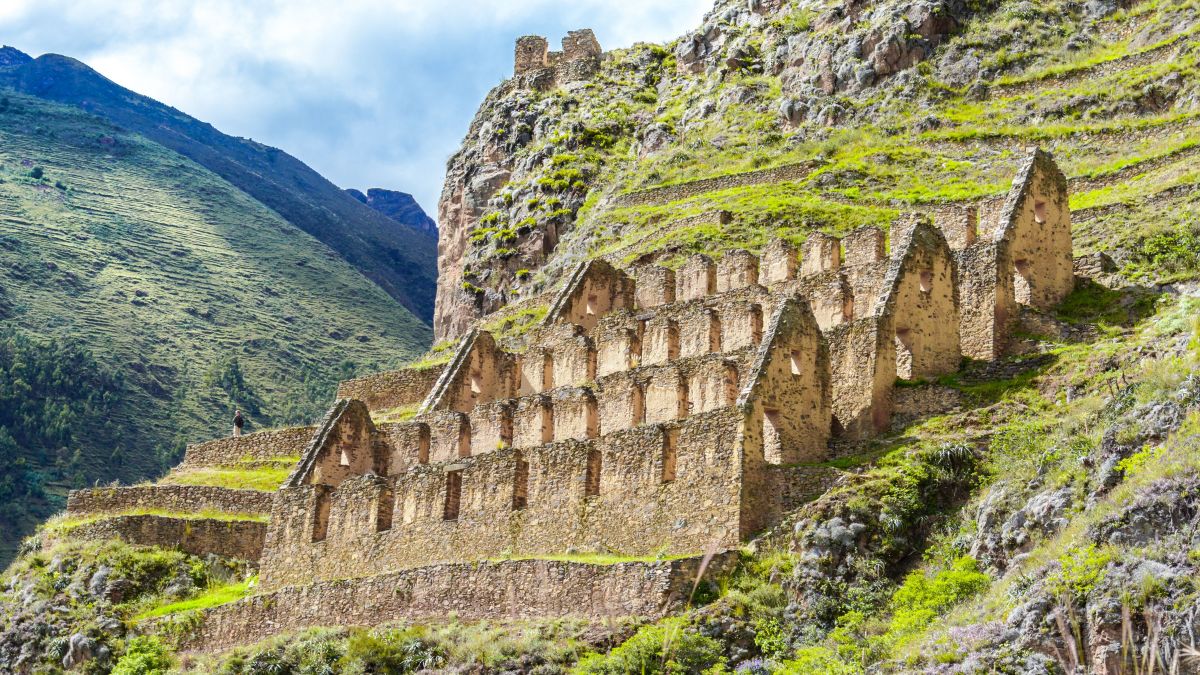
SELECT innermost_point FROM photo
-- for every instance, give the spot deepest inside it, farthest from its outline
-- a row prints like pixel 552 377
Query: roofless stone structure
pixel 654 412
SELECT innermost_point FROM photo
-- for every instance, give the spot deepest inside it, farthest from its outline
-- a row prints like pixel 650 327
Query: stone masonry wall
pixel 200 536
pixel 508 590
pixel 467 509
pixel 392 389
pixel 262 445
pixel 183 498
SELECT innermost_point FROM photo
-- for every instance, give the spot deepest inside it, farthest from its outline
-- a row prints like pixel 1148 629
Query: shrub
pixel 922 598
pixel 402 651
pixel 37 172
pixel 1080 570
pixel 145 655
pixel 666 647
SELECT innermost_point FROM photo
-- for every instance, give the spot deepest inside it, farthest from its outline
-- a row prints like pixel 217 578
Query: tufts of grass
pixel 211 597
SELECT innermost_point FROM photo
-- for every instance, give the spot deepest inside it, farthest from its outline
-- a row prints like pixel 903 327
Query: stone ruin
pixel 538 67
pixel 655 412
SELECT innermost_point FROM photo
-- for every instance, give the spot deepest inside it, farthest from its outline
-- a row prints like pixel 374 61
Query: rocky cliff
pixel 399 206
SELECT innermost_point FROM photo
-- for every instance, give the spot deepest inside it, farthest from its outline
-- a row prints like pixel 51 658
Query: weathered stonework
pixel 264 445
pixel 182 498
pixel 536 67
pixel 391 389
pixel 507 590
pixel 652 412
pixel 241 539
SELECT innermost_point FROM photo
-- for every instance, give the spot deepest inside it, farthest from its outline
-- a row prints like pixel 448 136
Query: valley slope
pixel 194 295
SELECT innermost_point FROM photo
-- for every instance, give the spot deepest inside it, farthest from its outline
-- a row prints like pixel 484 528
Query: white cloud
pixel 371 93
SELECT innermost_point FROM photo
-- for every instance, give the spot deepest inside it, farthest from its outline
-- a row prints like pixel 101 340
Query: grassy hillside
pixel 1114 95
pixel 198 296
pixel 402 260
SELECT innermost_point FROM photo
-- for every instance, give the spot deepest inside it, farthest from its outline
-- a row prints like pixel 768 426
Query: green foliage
pixel 921 598
pixel 390 652
pixel 226 375
pixel 818 661
pixel 145 655
pixel 1173 251
pixel 670 646
pixel 211 597
pixel 135 292
pixel 1080 569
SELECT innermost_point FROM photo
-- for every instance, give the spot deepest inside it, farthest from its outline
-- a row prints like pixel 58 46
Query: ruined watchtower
pixel 539 68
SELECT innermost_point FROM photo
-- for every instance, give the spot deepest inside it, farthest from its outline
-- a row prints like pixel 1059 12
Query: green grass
pixel 212 597
pixel 64 524
pixel 597 558
pixel 265 478
pixel 172 276
pixel 402 413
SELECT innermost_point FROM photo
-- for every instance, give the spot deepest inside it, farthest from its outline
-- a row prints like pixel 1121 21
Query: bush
pixel 37 172
pixel 402 651
pixel 921 598
pixel 145 655
pixel 666 647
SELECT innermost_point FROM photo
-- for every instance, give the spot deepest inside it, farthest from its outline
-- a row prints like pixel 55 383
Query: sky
pixel 370 93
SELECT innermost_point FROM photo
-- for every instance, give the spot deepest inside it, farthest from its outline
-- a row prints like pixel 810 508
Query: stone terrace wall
pixel 392 389
pixel 229 539
pixel 671 193
pixel 259 446
pixel 508 590
pixel 185 498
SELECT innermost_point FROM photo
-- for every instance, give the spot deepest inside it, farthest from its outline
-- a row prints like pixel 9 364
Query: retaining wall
pixel 507 590
pixel 228 539
pixel 186 498
pixel 263 445
pixel 392 389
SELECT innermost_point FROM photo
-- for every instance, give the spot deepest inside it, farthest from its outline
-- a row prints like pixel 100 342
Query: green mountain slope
pixel 400 259
pixel 197 295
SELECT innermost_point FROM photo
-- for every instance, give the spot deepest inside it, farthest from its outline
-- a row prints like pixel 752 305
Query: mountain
pixel 400 260
pixel 1038 513
pixel 399 206
pixel 143 296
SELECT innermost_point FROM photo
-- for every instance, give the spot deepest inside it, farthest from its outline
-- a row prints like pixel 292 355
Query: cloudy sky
pixel 371 93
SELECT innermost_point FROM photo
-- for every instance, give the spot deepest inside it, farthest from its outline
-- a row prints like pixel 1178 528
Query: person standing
pixel 238 421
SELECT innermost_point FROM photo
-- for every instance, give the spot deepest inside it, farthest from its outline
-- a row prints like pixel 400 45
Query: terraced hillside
pixel 755 125
pixel 399 259
pixel 198 296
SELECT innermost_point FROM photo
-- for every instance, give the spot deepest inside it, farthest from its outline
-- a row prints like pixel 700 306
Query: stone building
pixel 654 413
pixel 538 67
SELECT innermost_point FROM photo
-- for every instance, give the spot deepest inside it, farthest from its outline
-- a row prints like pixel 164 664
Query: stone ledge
pixel 199 536
pixel 674 192
pixel 263 445
pixel 512 589
pixel 393 388
pixel 184 498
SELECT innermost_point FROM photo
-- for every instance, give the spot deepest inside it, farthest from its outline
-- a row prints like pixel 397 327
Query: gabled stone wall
pixel 668 410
